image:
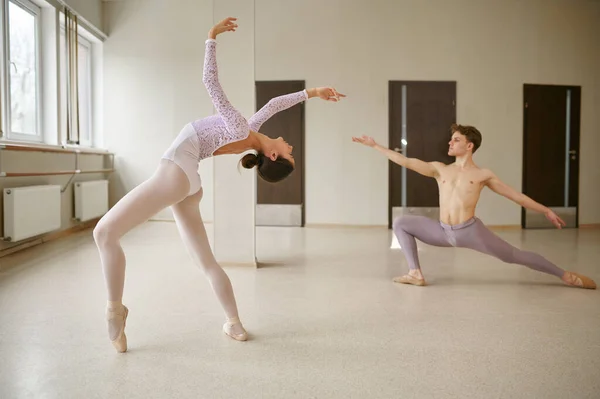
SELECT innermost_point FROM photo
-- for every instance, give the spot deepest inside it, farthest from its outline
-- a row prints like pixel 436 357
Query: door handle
pixel 573 152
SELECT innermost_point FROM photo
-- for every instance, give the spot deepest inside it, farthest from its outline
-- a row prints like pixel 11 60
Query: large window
pixel 50 67
pixel 23 61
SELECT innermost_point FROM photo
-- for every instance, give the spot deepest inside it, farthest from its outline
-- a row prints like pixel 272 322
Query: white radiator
pixel 31 211
pixel 91 199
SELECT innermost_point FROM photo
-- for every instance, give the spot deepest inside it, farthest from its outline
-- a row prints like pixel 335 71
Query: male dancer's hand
pixel 553 217
pixel 365 140
pixel 226 25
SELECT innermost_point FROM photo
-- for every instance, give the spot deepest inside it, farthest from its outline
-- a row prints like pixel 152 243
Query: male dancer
pixel 460 185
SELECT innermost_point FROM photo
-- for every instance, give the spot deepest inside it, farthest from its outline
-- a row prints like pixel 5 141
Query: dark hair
pixel 471 133
pixel 271 171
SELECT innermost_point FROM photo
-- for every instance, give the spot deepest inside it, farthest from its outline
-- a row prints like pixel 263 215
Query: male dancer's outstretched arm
pixel 429 169
pixel 501 188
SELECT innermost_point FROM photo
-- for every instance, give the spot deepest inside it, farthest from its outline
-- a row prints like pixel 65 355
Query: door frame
pixel 390 109
pixel 573 88
pixel 302 106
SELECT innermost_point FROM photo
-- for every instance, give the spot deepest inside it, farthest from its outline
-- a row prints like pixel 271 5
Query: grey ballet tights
pixel 471 234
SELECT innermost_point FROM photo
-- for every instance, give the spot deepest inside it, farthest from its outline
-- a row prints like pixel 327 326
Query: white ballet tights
pixel 192 231
pixel 167 187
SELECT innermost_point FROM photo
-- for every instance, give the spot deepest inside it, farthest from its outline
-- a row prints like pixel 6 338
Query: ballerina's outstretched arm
pixel 234 121
pixel 286 101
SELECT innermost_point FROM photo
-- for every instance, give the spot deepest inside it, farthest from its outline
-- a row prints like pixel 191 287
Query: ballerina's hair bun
pixel 269 170
pixel 250 160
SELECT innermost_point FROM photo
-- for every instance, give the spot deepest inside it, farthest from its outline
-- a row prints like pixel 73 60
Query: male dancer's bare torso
pixel 459 191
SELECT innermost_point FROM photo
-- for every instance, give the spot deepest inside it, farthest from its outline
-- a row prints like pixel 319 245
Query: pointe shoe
pixel 580 281
pixel 408 279
pixel 120 343
pixel 227 329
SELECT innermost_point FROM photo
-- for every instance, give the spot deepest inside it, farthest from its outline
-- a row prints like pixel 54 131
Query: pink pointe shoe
pixel 578 280
pixel 227 329
pixel 118 316
pixel 408 279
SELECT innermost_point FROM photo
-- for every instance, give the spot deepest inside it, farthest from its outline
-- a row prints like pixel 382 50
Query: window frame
pixel 90 109
pixel 35 11
pixel 81 40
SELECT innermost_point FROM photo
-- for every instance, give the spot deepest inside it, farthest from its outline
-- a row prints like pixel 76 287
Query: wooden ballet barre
pixel 62 172
pixel 29 148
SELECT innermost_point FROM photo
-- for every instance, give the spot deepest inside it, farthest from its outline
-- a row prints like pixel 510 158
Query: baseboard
pixel 20 247
pixel 49 237
pixel 518 227
pixel 504 227
pixel 380 226
pixel 173 220
pixel 155 219
pixel 239 264
pixel 344 226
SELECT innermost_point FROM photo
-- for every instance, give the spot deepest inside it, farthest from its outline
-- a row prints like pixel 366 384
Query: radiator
pixel 31 211
pixel 91 199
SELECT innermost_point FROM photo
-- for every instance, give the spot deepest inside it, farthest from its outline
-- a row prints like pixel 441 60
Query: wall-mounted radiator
pixel 91 199
pixel 31 211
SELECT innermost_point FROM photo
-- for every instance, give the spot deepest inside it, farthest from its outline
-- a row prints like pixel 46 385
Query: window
pixel 47 87
pixel 23 61
pixel 84 76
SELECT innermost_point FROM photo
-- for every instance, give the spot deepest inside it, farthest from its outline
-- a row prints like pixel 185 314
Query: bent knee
pixel 104 233
pixel 402 222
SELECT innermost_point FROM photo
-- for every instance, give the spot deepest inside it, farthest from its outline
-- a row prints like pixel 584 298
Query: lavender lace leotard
pixel 200 139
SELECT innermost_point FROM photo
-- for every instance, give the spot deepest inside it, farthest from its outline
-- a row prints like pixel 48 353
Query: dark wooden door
pixel 282 203
pixel 551 151
pixel 421 114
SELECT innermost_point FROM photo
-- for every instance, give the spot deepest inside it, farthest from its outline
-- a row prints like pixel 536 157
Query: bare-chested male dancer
pixel 460 185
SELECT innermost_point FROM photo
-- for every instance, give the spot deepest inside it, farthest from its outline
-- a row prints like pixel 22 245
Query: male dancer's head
pixel 464 142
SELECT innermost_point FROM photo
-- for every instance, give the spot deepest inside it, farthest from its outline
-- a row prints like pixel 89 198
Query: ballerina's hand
pixel 329 94
pixel 226 25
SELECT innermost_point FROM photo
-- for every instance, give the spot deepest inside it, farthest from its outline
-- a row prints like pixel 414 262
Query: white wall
pixel 491 48
pixel 153 63
pixel 153 84
pixel 91 10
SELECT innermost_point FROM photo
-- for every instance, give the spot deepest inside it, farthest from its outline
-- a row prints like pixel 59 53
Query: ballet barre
pixel 57 150
pixel 57 173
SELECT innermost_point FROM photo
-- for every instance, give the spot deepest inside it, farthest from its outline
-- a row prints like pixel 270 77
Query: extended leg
pixel 409 228
pixel 480 238
pixel 191 227
pixel 167 186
